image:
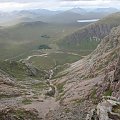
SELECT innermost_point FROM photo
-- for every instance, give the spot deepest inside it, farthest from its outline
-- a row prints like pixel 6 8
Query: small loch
pixel 85 21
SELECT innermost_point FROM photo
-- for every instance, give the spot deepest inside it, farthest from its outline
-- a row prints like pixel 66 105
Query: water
pixel 83 21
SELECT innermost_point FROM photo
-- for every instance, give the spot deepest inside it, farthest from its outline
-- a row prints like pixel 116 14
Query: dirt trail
pixel 43 106
pixel 44 103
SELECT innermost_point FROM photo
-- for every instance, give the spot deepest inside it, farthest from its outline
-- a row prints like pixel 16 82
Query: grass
pixel 108 92
pixel 95 99
pixel 93 94
pixel 58 70
pixel 83 46
pixel 19 70
pixel 60 75
pixel 5 96
pixel 26 101
pixel 53 59
pixel 60 87
pixel 18 114
pixel 39 86
pixel 20 39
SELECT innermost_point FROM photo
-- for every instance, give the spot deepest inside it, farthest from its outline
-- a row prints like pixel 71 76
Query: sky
pixel 11 5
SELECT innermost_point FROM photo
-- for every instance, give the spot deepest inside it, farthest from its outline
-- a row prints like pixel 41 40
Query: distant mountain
pixel 99 13
pixel 69 16
pixel 78 10
pixel 41 12
pixel 74 14
pixel 65 17
pixel 106 10
pixel 17 17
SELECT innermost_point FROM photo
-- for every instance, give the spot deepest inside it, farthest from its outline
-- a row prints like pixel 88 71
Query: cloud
pixel 27 1
pixel 9 5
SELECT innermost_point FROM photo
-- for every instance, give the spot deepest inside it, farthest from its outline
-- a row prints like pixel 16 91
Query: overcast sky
pixel 9 5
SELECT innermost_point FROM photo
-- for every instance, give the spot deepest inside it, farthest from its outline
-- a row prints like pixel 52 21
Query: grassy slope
pixel 25 37
pixel 53 59
pixel 20 71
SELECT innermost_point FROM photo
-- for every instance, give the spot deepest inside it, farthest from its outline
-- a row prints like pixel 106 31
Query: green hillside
pixel 20 71
pixel 22 38
pixel 53 59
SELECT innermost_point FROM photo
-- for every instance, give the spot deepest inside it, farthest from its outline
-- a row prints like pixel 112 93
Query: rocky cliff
pixel 109 107
pixel 82 86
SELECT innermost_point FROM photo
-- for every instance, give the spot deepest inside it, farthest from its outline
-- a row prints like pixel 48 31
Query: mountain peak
pixel 78 10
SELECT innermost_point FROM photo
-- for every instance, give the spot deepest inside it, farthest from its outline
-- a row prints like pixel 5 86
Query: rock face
pixel 85 82
pixel 117 72
pixel 116 81
pixel 4 79
pixel 111 83
pixel 18 114
pixel 94 30
pixel 108 109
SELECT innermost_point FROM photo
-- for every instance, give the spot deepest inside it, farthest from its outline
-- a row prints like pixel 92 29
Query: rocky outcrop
pixel 90 79
pixel 110 84
pixel 115 85
pixel 117 72
pixel 18 114
pixel 8 87
pixel 108 109
pixel 5 79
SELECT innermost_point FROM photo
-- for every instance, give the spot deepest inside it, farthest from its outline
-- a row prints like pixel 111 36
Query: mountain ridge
pixel 94 32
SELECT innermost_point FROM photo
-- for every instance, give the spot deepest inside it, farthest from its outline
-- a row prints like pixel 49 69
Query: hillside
pixel 82 86
pixel 21 70
pixel 89 36
pixel 20 84
pixel 73 93
pixel 27 36
pixel 65 71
